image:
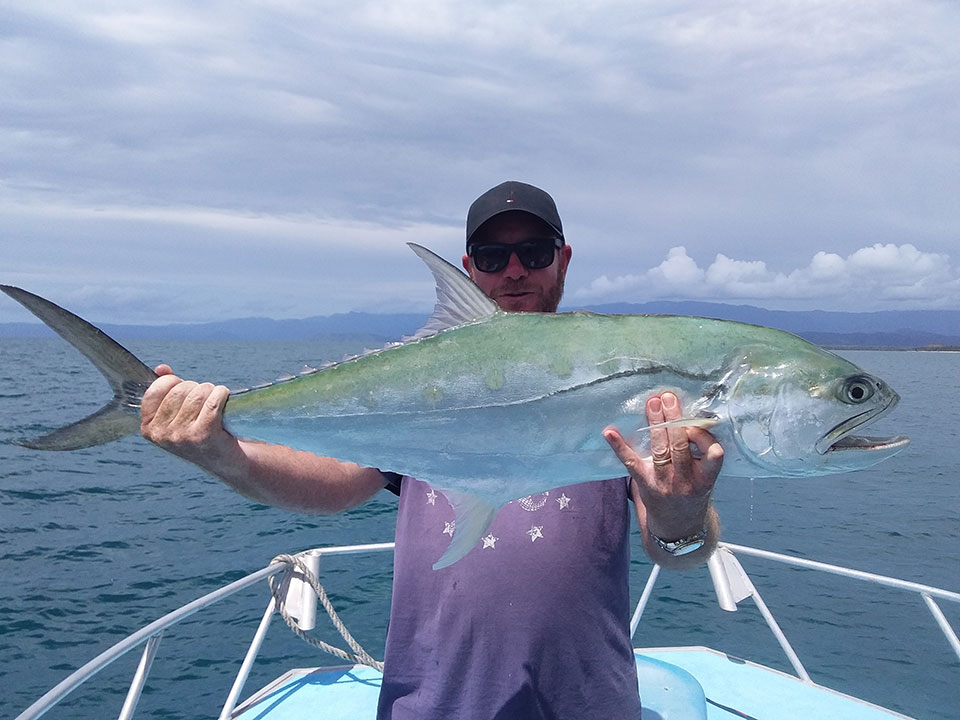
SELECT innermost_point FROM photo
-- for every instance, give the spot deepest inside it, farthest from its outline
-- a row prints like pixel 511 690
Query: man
pixel 533 624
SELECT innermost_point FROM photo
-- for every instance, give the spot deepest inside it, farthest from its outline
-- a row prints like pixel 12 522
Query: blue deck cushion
pixel 669 692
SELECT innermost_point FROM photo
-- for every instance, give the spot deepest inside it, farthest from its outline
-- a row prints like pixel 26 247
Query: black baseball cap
pixel 511 196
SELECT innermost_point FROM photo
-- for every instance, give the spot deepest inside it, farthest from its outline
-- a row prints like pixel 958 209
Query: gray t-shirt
pixel 533 624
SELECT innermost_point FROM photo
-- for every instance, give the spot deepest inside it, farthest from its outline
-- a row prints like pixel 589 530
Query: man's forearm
pixel 280 476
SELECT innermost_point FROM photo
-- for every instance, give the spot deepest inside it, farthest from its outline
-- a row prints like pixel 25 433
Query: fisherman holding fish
pixel 510 595
pixel 533 623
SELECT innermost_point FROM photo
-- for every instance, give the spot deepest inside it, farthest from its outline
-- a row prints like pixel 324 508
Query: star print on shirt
pixel 535 532
pixel 431 497
pixel 490 542
pixel 449 527
pixel 564 501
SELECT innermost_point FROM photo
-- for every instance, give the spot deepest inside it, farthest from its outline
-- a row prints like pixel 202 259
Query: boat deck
pixel 728 688
pixel 735 688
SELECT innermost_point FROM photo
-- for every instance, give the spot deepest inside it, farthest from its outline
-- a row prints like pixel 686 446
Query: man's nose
pixel 515 269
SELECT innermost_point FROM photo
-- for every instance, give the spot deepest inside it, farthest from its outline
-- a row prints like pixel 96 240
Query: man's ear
pixel 565 253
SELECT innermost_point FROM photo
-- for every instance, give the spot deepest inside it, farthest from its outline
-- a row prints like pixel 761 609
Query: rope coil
pixel 294 563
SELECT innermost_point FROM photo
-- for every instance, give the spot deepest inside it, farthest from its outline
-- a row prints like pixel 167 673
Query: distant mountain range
pixel 888 328
pixel 884 328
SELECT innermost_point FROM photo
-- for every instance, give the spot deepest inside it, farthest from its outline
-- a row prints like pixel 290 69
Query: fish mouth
pixel 856 442
pixel 840 438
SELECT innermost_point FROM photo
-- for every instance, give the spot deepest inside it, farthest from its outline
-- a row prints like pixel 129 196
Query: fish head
pixel 800 414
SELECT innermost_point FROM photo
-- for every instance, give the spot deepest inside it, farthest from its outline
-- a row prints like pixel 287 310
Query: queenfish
pixel 489 406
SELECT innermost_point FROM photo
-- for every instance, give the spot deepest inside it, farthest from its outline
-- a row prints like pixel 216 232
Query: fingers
pixel 678 439
pixel 177 403
pixel 626 454
pixel 216 401
pixel 189 402
pixel 668 445
pixel 177 411
pixel 659 438
pixel 711 451
pixel 155 395
pixel 163 369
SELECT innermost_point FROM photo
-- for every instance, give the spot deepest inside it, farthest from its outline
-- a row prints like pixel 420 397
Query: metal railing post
pixel 941 619
pixel 247 664
pixel 644 599
pixel 140 677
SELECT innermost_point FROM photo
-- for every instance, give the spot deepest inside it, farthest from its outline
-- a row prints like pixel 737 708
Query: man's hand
pixel 672 488
pixel 186 418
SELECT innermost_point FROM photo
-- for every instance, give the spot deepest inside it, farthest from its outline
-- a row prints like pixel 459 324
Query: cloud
pixel 878 273
pixel 726 270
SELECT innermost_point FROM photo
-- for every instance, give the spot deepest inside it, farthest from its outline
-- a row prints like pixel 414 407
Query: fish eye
pixel 857 389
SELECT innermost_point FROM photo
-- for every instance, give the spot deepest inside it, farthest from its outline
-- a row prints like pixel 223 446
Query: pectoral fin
pixel 701 422
pixel 473 517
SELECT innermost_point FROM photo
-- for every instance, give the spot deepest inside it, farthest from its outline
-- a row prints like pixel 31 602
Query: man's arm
pixel 672 495
pixel 186 418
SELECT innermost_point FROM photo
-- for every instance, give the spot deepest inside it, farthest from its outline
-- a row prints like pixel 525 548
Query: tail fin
pixel 128 377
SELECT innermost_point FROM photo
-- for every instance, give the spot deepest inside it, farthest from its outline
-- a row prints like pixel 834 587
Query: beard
pixel 520 297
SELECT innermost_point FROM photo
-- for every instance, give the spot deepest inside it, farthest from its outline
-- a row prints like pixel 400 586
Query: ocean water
pixel 96 543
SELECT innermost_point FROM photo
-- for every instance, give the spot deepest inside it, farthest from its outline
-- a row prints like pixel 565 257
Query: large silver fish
pixel 490 406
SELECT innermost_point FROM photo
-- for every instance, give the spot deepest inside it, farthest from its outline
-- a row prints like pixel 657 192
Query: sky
pixel 193 161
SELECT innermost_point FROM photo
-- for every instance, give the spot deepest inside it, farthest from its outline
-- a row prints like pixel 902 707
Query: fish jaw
pixel 889 445
pixel 859 452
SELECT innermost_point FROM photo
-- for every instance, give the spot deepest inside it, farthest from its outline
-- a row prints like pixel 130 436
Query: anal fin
pixel 473 517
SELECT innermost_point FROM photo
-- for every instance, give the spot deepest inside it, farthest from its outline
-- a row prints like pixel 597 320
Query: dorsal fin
pixel 459 300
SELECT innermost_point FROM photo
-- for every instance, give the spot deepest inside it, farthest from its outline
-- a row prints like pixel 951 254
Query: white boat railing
pixel 731 582
pixel 732 585
pixel 152 634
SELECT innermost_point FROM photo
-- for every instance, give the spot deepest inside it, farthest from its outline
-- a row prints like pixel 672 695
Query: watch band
pixel 683 545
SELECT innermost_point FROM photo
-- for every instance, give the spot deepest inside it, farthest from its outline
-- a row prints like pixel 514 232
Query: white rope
pixel 359 655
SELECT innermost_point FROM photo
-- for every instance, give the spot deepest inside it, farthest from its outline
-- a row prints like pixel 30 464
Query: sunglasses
pixel 533 254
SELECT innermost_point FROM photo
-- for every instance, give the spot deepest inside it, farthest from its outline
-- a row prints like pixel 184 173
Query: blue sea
pixel 96 543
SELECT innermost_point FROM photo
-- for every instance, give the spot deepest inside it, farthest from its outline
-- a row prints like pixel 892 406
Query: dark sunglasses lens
pixel 491 258
pixel 536 255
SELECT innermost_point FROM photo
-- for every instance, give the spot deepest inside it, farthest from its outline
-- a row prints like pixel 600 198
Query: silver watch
pixel 683 545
